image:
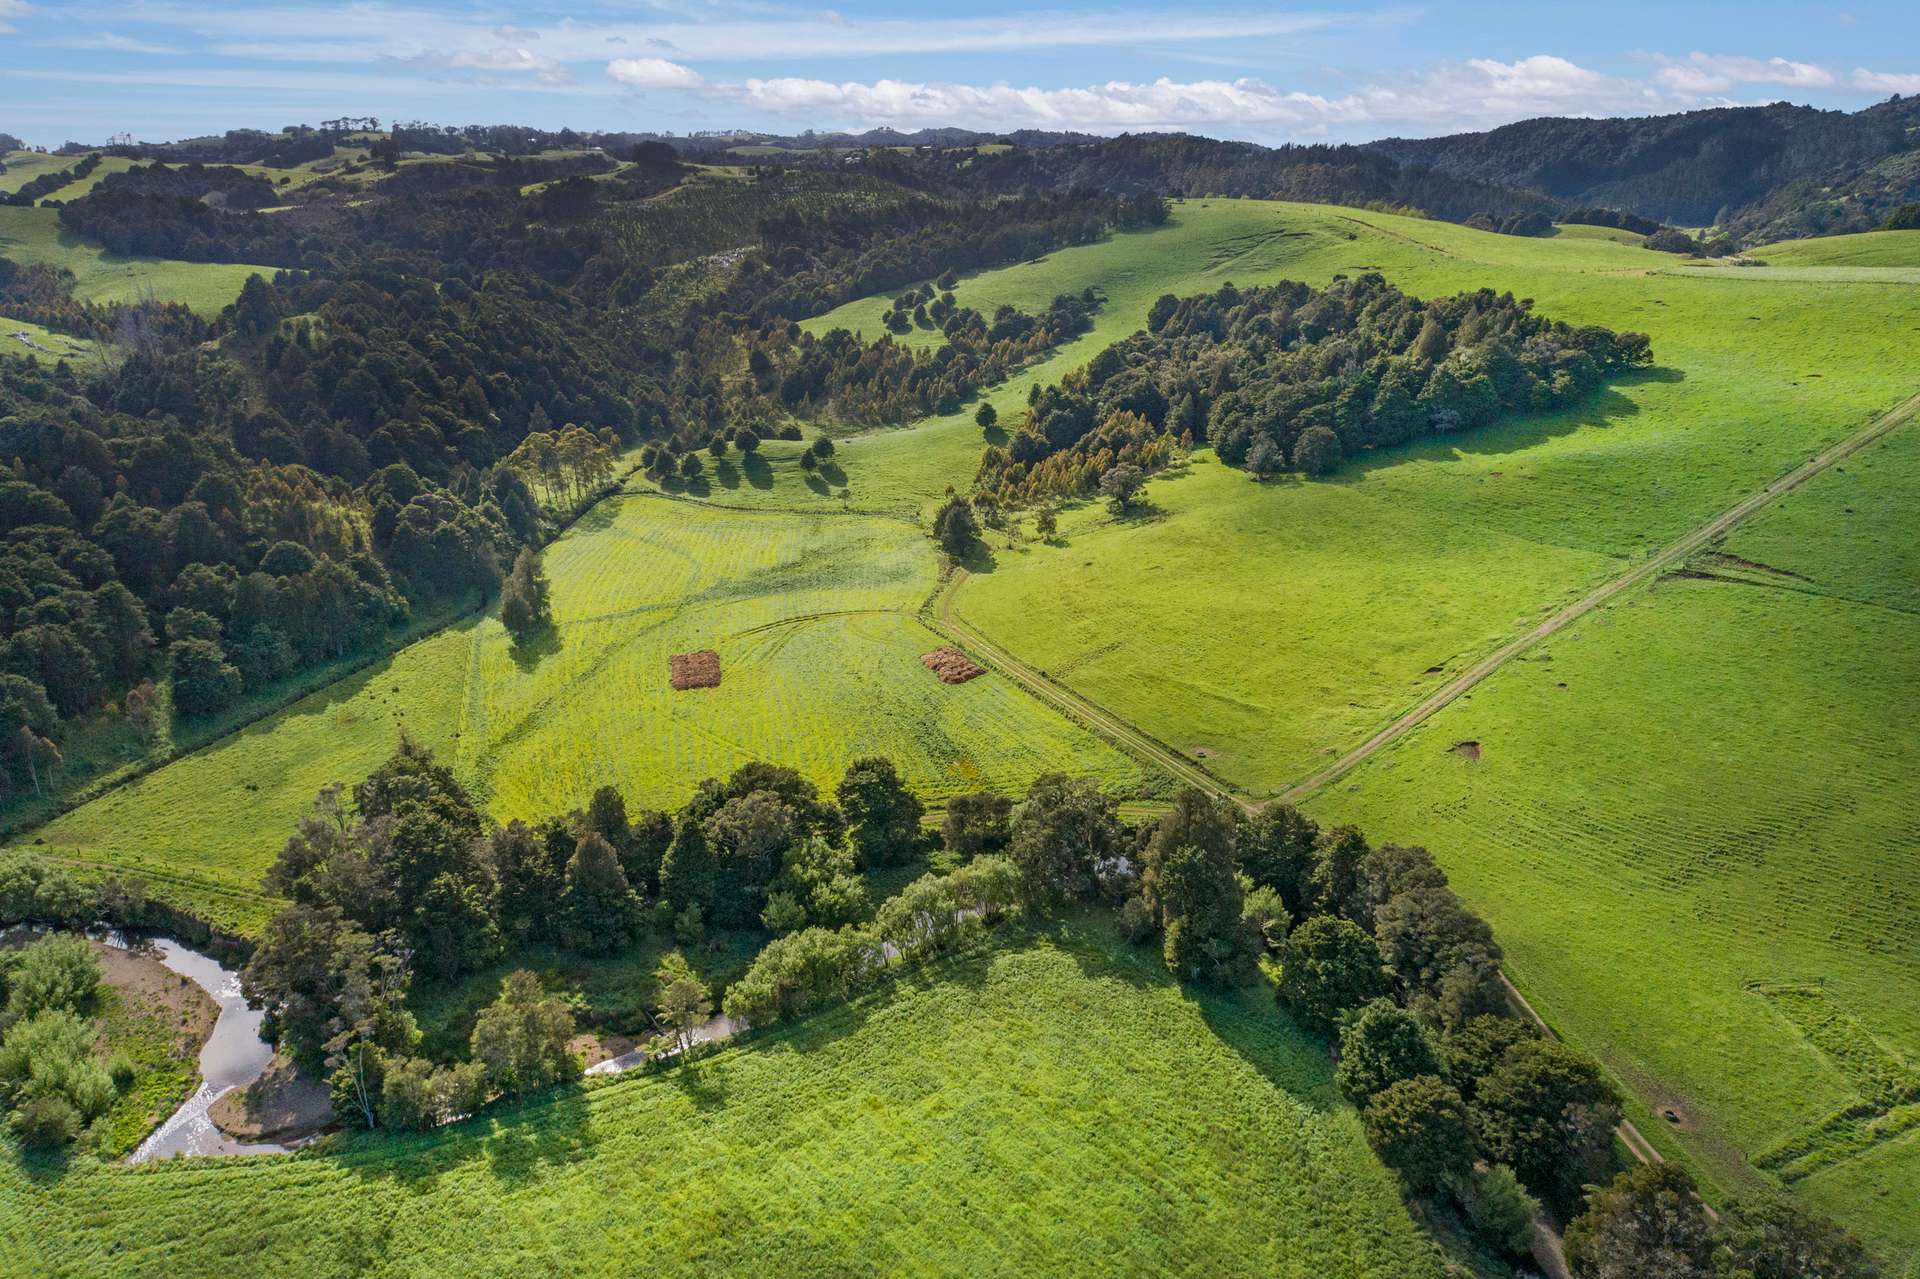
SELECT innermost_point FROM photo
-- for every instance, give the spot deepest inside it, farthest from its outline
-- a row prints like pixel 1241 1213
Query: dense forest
pixel 1761 173
pixel 1291 376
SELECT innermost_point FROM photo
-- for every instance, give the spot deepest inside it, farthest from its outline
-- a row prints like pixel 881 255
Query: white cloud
pixel 654 73
pixel 1479 92
pixel 512 61
pixel 1717 73
pixel 10 9
pixel 108 42
pixel 1885 81
pixel 368 32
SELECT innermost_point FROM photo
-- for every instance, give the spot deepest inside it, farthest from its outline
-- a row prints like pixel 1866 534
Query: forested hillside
pixel 1762 173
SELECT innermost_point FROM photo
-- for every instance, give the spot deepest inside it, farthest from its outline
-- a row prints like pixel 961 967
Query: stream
pixel 233 1057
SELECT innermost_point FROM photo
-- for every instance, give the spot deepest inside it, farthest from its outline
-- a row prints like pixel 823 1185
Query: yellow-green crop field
pixel 814 618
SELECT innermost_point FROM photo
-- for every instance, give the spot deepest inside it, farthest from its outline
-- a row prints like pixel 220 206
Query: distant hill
pixel 1763 173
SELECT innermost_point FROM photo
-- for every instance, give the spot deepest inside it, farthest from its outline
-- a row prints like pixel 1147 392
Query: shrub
pixel 1137 921
pixel 46 1122
pixel 1317 451
pixel 58 973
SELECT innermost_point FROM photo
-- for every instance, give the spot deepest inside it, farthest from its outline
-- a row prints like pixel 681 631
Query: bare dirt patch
pixel 595 1048
pixel 695 670
pixel 1469 751
pixel 143 981
pixel 951 665
pixel 281 1106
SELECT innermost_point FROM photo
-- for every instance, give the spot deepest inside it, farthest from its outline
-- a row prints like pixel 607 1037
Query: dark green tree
pixel 882 815
pixel 1327 967
pixel 1648 1221
pixel 1381 1044
pixel 1418 1127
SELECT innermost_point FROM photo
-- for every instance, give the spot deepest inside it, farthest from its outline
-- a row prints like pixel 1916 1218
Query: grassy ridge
pixel 1048 1106
pixel 1870 248
pixel 813 619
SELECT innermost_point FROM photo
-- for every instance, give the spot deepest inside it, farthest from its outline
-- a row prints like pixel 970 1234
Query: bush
pixel 1137 922
pixel 46 1122
pixel 58 973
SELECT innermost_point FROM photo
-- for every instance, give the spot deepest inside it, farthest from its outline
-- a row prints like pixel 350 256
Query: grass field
pixel 47 346
pixel 814 619
pixel 1292 634
pixel 1731 788
pixel 33 236
pixel 1691 800
pixel 1871 248
pixel 1052 1105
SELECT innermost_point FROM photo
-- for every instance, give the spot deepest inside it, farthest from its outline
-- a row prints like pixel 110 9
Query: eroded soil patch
pixel 1469 751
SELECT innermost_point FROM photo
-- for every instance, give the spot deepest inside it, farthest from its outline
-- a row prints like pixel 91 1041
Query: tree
pixel 1046 523
pixel 746 439
pixel 985 416
pixel 976 823
pixel 1275 848
pixel 50 1055
pixel 1120 485
pixel 1161 311
pixel 1329 966
pixel 683 1000
pixel 1648 1221
pixel 955 528
pixel 602 914
pixel 418 1095
pixel 1338 855
pixel 1380 1045
pixel 1317 451
pixel 1418 1127
pixel 524 606
pixel 882 814
pixel 1264 458
pixel 1189 881
pixel 1501 1210
pixel 1471 1052
pixel 1548 1112
pixel 1774 1237
pixel 203 681
pixel 1904 218
pixel 521 1038
pixel 1060 831
pixel 688 874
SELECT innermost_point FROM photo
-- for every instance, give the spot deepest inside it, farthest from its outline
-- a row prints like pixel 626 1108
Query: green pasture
pixel 24 166
pixel 815 622
pixel 33 236
pixel 1869 248
pixel 46 345
pixel 1275 626
pixel 1051 1104
pixel 1692 800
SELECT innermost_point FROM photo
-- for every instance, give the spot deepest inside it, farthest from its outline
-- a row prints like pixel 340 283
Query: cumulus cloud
pixel 1464 94
pixel 654 73
pixel 1885 81
pixel 1717 73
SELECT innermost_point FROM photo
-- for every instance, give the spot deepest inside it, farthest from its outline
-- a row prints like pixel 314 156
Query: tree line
pixel 1288 376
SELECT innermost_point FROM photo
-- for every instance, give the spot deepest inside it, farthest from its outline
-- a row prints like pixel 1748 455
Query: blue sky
pixel 160 69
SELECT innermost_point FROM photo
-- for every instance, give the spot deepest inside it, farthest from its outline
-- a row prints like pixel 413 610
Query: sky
pixel 84 70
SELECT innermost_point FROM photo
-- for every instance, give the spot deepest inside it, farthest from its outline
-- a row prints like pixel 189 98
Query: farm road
pixel 1112 726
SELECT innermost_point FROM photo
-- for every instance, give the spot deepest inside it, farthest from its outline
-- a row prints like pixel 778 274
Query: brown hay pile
pixel 695 670
pixel 951 665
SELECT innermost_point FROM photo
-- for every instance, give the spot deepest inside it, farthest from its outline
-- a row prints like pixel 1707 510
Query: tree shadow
pixel 995 434
pixel 1512 434
pixel 539 1136
pixel 758 472
pixel 726 473
pixel 817 484
pixel 530 650
pixel 830 472
pixel 979 558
